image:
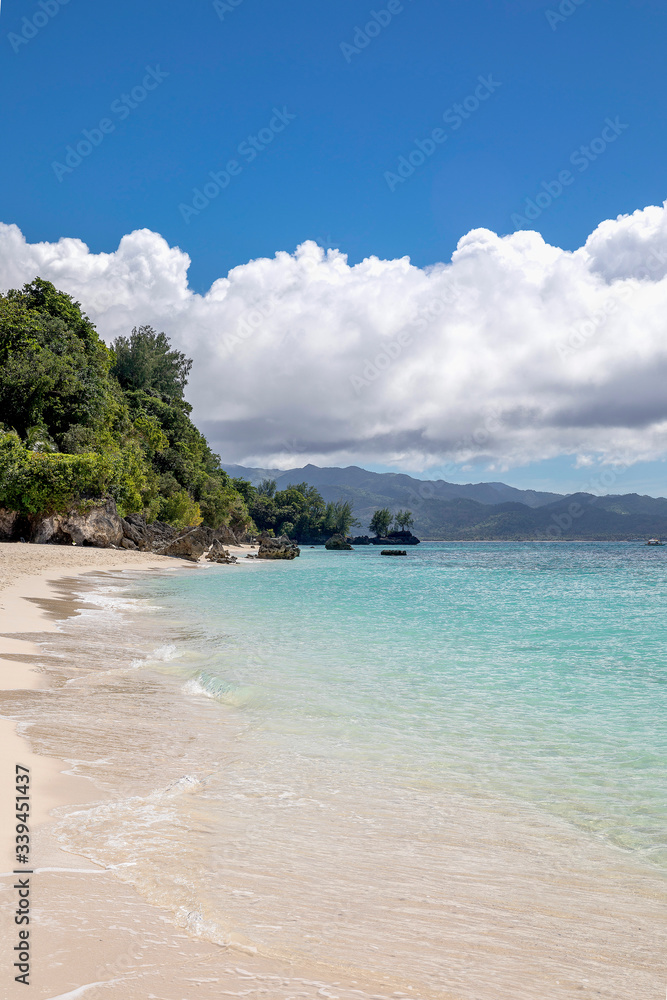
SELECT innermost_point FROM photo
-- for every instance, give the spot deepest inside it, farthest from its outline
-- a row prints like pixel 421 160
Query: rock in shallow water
pixel 338 543
pixel 277 548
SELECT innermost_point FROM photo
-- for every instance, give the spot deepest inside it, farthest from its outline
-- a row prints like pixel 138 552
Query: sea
pixel 442 774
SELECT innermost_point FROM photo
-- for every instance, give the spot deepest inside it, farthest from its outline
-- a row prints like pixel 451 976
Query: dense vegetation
pixel 297 511
pixel 79 420
pixel 381 521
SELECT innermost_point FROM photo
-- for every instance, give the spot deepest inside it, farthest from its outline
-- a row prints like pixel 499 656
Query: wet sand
pixel 94 935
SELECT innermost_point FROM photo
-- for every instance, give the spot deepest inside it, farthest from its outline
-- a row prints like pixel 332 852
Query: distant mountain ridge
pixel 487 511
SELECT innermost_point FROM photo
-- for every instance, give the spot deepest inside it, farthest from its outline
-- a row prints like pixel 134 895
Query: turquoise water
pixel 537 672
pixel 442 775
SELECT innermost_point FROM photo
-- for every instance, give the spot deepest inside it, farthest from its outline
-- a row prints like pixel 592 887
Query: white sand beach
pixel 95 936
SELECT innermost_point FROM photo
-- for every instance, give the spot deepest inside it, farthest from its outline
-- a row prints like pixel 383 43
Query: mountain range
pixel 485 511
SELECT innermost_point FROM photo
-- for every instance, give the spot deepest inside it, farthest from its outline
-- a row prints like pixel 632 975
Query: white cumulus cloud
pixel 512 352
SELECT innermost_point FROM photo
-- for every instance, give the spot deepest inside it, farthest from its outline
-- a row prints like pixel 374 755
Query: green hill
pixel 80 421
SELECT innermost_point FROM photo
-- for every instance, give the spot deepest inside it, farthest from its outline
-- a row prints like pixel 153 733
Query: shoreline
pixel 140 951
pixel 77 952
pixel 27 599
pixel 25 594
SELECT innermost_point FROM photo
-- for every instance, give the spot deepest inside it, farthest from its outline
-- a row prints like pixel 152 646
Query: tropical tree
pixel 80 421
pixel 146 360
pixel 380 522
pixel 339 517
pixel 267 488
pixel 403 520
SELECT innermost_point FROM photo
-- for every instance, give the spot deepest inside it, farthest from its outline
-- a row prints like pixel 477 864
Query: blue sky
pixel 221 72
pixel 323 178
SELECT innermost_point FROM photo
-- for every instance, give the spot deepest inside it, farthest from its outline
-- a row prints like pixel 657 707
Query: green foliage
pixel 380 522
pixel 267 488
pixel 85 421
pixel 148 427
pixel 297 511
pixel 146 361
pixel 175 505
pixel 403 520
pixel 54 368
pixel 35 482
pixel 339 517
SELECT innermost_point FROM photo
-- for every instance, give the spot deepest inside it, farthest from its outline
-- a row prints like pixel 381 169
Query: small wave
pixel 114 599
pixel 163 654
pixel 211 686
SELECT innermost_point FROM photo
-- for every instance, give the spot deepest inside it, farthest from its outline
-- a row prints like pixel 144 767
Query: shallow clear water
pixel 378 760
pixel 535 671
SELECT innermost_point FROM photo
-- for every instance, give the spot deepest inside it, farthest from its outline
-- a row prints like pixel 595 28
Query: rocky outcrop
pixel 190 544
pixel 9 520
pixel 361 540
pixel 243 538
pixel 147 537
pixel 338 543
pixel 277 548
pixel 397 538
pixel 219 554
pixel 101 527
pixel 226 536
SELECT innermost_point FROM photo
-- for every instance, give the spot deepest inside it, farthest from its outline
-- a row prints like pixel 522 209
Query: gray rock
pixel 226 535
pixel 46 529
pixel 277 548
pixel 8 524
pixel 147 536
pixel 101 527
pixel 191 544
pixel 219 554
pixel 338 543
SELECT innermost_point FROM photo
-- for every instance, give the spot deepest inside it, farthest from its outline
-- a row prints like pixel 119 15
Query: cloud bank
pixel 513 352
